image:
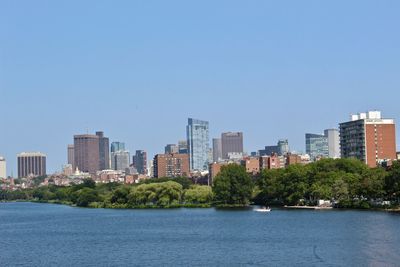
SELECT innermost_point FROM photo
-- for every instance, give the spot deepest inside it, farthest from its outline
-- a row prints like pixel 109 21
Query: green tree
pixel 233 185
pixel 198 194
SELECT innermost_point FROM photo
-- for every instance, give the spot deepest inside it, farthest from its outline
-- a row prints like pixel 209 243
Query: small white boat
pixel 263 209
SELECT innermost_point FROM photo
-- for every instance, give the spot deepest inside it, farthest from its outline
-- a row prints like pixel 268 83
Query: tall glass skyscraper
pixel 117 146
pixel 317 146
pixel 198 144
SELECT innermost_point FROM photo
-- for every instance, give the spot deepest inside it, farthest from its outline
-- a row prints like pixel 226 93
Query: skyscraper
pixel 283 147
pixel 217 149
pixel 31 164
pixel 3 167
pixel 104 151
pixel 369 138
pixel 183 147
pixel 117 146
pixel 333 143
pixel 87 153
pixel 197 132
pixel 231 142
pixel 171 148
pixel 317 146
pixel 71 152
pixel 120 160
pixel 140 162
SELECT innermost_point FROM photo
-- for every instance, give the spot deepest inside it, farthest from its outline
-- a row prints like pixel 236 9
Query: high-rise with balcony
pixel 31 164
pixel 231 142
pixel 171 165
pixel 369 138
pixel 197 132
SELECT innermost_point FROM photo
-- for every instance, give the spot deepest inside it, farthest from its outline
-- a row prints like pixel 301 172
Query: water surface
pixel 55 235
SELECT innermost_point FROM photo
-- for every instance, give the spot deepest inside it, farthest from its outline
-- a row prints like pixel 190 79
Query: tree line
pixel 349 183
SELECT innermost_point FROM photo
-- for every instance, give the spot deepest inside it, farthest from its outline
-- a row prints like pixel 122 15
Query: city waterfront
pixel 57 235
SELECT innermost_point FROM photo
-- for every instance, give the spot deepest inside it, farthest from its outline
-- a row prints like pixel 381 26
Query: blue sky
pixel 138 69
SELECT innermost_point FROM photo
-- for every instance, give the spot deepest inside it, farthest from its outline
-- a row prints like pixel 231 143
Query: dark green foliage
pixel 233 186
pixel 184 181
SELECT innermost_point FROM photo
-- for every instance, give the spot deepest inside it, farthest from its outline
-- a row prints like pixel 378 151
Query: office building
pixel 71 153
pixel 231 142
pixel 104 151
pixel 3 167
pixel 183 147
pixel 217 149
pixel 120 160
pixel 171 149
pixel 268 151
pixel 317 146
pixel 369 138
pixel 171 165
pixel 333 143
pixel 139 161
pixel 86 153
pixel 283 147
pixel 117 146
pixel 31 164
pixel 197 132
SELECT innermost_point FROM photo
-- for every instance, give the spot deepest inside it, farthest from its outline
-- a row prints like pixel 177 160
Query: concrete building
pixel 333 143
pixel 317 146
pixel 3 167
pixel 120 160
pixel 171 149
pixel 369 138
pixel 87 153
pixel 197 132
pixel 104 151
pixel 272 162
pixel 217 149
pixel 71 153
pixel 171 165
pixel 31 164
pixel 231 142
pixel 139 161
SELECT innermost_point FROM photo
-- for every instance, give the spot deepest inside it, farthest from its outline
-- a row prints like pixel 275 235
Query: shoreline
pixel 204 206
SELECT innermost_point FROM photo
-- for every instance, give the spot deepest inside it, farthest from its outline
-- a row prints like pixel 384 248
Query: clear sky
pixel 138 69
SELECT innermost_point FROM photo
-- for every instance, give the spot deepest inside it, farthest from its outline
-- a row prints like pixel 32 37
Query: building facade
pixel 120 160
pixel 197 132
pixel 183 147
pixel 171 149
pixel 231 142
pixel 317 146
pixel 104 151
pixel 3 167
pixel 369 138
pixel 139 161
pixel 171 165
pixel 283 147
pixel 31 164
pixel 71 153
pixel 217 149
pixel 333 143
pixel 117 146
pixel 86 153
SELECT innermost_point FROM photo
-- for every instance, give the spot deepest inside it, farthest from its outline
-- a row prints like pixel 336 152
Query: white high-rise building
pixel 333 143
pixel 3 169
pixel 120 160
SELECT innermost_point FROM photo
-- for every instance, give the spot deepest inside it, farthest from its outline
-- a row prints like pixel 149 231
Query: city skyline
pixel 163 63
